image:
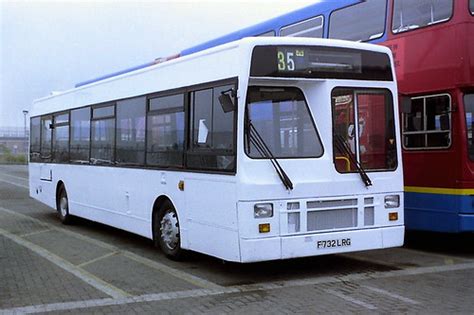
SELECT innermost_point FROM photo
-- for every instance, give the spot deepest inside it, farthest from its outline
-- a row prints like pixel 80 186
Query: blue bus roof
pixel 274 24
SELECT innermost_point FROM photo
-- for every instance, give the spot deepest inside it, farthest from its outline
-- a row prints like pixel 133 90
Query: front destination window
pixel 370 142
pixel 282 118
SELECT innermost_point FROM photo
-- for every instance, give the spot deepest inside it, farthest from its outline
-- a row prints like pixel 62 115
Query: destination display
pixel 320 62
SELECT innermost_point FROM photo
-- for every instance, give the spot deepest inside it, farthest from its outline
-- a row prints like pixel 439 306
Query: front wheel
pixel 62 206
pixel 167 231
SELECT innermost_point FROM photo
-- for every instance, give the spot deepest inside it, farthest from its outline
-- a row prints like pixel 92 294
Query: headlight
pixel 392 201
pixel 263 210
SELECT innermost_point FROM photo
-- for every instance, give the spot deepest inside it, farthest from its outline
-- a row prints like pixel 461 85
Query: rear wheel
pixel 62 206
pixel 167 233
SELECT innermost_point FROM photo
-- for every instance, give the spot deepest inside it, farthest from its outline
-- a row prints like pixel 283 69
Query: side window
pixel 212 131
pixel 103 135
pixel 46 123
pixel 131 131
pixel 61 138
pixel 360 22
pixel 35 139
pixel 412 14
pixel 471 6
pixel 80 135
pixel 165 131
pixel 267 34
pixel 309 28
pixel 428 124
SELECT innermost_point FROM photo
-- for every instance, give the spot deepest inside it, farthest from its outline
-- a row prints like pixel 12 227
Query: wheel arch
pixel 157 205
pixel 59 186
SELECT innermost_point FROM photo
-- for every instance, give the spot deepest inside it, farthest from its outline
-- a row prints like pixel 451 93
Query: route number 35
pixel 285 61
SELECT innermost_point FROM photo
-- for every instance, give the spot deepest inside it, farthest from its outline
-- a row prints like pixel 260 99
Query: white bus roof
pixel 180 72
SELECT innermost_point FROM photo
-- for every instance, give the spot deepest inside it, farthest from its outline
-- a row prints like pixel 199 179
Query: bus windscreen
pixel 320 62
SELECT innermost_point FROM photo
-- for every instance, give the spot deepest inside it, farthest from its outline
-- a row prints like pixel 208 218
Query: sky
pixel 52 45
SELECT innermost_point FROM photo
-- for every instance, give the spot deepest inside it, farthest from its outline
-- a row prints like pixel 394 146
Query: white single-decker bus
pixel 260 149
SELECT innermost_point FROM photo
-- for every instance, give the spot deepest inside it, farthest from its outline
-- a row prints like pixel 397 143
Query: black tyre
pixel 166 231
pixel 62 206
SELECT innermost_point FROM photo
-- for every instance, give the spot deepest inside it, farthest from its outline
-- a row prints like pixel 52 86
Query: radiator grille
pixel 368 216
pixel 319 204
pixel 332 219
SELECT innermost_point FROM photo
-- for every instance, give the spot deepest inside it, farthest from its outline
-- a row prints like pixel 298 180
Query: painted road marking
pixel 235 289
pixel 351 299
pixel 35 233
pixel 17 177
pixel 67 266
pixel 197 281
pixel 97 259
pixel 392 295
pixel 14 184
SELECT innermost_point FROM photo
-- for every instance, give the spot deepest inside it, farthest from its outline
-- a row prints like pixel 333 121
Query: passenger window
pixel 80 135
pixel 103 135
pixel 46 138
pixel 131 131
pixel 61 138
pixel 428 124
pixel 309 28
pixel 165 131
pixel 267 34
pixel 471 6
pixel 360 22
pixel 412 14
pixel 213 131
pixel 35 139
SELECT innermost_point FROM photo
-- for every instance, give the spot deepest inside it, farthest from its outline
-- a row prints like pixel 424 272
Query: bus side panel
pixel 41 185
pixel 211 217
pixel 108 195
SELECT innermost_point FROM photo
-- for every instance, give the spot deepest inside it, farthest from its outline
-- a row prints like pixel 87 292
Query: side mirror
pixel 406 104
pixel 226 102
pixel 444 122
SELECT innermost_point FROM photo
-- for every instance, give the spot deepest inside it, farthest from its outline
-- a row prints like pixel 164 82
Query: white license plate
pixel 343 242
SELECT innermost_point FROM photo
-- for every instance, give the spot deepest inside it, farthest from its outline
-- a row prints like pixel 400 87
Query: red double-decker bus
pixel 432 42
pixel 433 45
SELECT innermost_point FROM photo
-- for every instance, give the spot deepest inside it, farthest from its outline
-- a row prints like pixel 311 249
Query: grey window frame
pixel 150 112
pixel 295 34
pixel 425 131
pixel 126 103
pixel 408 29
pixel 35 155
pixel 271 33
pixel 53 136
pixel 42 157
pixel 94 160
pixel 373 36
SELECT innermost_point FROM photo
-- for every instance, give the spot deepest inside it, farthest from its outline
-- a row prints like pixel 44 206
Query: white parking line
pixel 197 281
pixel 392 295
pixel 236 289
pixel 351 299
pixel 14 184
pixel 13 176
pixel 67 266
pixel 97 259
pixel 35 233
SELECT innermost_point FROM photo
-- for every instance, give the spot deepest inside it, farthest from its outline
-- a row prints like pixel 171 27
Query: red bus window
pixel 413 14
pixel 471 6
pixel 371 142
pixel 469 110
pixel 428 124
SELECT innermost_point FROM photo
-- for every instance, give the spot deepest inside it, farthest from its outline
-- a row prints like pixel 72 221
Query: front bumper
pixel 273 248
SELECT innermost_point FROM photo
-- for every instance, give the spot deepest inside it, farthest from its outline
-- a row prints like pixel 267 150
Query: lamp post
pixel 25 112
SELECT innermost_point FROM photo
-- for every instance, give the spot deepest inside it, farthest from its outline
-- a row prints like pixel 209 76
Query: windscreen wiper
pixel 344 148
pixel 256 139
